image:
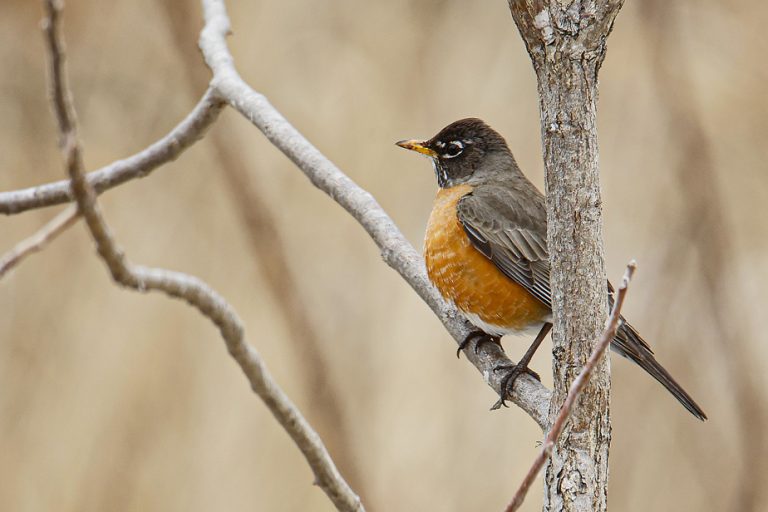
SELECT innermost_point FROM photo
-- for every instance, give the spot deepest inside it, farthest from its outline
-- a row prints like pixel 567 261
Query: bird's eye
pixel 453 149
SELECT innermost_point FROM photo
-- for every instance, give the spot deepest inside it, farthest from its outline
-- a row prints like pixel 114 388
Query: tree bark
pixel 566 42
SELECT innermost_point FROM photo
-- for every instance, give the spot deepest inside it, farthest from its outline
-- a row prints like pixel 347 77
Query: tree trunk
pixel 566 43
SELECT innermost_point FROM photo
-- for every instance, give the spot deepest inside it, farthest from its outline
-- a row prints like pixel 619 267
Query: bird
pixel 485 249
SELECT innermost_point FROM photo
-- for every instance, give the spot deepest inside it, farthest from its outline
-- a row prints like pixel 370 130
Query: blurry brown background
pixel 111 400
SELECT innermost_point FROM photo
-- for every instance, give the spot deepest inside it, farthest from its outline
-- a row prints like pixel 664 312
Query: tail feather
pixel 629 344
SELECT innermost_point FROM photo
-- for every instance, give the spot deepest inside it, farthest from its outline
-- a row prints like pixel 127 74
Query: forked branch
pixel 185 287
pixel 228 87
pixel 397 252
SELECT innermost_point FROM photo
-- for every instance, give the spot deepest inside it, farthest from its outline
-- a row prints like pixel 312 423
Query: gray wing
pixel 511 235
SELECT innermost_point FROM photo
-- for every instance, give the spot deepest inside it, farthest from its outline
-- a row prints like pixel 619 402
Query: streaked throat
pixel 440 174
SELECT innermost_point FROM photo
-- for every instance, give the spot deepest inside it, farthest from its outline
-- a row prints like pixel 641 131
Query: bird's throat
pixel 440 174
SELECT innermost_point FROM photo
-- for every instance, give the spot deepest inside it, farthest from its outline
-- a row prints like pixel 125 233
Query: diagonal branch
pixel 396 251
pixel 577 386
pixel 188 288
pixel 228 87
pixel 281 282
pixel 187 132
pixel 39 240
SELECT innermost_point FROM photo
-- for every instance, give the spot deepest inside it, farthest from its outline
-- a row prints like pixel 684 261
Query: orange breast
pixel 467 278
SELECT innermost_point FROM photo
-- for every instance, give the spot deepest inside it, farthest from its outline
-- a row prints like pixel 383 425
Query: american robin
pixel 486 247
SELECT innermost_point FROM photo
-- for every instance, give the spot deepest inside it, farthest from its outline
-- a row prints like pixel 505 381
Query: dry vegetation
pixel 118 401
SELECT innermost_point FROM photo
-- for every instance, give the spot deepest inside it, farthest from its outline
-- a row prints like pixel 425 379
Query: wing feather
pixel 512 233
pixel 514 241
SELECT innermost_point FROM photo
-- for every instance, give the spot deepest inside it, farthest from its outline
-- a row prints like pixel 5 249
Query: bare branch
pixel 577 386
pixel 529 394
pixel 59 90
pixel 39 240
pixel 326 409
pixel 193 291
pixel 187 132
pixel 396 251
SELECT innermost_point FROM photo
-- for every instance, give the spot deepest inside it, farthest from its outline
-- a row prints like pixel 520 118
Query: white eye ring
pixel 455 148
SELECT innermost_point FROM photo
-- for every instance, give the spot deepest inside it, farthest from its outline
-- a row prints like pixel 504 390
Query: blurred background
pixel 113 400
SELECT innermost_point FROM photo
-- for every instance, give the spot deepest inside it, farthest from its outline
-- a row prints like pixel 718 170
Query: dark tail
pixel 629 344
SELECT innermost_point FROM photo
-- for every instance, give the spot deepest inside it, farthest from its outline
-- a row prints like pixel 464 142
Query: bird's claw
pixel 508 381
pixel 482 338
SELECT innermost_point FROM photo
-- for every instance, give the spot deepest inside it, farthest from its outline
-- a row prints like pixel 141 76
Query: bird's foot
pixel 507 383
pixel 482 338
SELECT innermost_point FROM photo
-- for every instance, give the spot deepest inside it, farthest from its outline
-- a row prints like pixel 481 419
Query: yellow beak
pixel 417 146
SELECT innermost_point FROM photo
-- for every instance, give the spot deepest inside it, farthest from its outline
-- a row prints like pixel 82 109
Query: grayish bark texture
pixel 566 42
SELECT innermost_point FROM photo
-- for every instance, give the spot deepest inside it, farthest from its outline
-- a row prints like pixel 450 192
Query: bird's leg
pixel 515 370
pixel 482 337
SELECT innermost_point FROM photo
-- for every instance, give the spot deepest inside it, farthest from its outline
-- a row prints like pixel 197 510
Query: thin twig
pixel 397 252
pixel 197 294
pixel 577 386
pixel 59 90
pixel 39 240
pixel 182 136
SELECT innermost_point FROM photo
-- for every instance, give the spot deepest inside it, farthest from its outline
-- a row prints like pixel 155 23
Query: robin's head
pixel 463 151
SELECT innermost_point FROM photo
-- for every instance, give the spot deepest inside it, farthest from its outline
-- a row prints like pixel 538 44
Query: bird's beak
pixel 417 146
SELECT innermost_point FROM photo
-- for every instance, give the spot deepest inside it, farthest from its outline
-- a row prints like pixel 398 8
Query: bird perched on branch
pixel 486 248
